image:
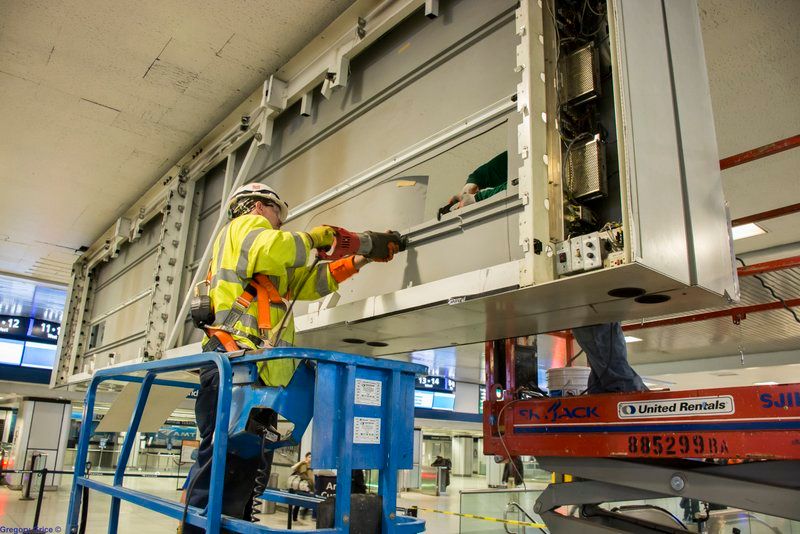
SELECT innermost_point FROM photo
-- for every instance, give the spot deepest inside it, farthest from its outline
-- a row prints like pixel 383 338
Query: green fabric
pixel 491 174
pixel 483 194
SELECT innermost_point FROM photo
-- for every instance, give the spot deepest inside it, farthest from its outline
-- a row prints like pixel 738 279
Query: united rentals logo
pixel 686 407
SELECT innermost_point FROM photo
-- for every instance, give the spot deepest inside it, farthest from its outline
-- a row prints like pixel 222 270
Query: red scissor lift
pixel 634 446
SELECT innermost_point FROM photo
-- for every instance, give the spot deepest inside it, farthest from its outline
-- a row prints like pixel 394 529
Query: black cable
pixel 262 480
pixel 84 515
pixel 501 435
pixel 772 292
pixel 82 520
pixel 569 364
pixel 189 493
pixel 298 288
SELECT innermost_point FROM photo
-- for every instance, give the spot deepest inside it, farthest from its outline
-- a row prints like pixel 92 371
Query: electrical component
pixel 586 170
pixel 576 250
pixel 563 258
pixel 579 75
pixel 614 259
pixel 612 241
pixel 578 219
pixel 591 252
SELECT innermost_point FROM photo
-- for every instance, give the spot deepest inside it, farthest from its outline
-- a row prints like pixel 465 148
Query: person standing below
pixel 604 343
pixel 301 480
pixel 513 472
pixel 252 255
pixel 445 463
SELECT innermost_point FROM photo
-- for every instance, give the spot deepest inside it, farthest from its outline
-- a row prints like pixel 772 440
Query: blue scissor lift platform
pixel 363 418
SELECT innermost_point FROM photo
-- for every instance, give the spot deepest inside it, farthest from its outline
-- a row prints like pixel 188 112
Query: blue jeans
pixel 607 353
pixel 240 473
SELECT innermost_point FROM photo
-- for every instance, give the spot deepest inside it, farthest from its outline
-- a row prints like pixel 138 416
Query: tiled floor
pixel 135 520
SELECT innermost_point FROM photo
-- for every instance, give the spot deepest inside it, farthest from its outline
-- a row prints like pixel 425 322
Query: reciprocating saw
pixel 379 246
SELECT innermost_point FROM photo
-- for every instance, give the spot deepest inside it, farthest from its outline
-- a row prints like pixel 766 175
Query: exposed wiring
pixel 581 16
pixel 772 292
pixel 608 228
pixel 532 393
pixel 588 4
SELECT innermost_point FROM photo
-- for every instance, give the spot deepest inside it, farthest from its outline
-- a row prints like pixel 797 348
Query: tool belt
pixel 260 289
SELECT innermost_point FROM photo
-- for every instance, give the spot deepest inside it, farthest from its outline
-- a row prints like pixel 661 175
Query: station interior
pixel 518 265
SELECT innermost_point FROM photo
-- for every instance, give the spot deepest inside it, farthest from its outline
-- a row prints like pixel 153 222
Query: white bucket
pixel 567 381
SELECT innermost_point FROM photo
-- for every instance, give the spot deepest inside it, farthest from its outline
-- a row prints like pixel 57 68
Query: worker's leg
pixel 608 357
pixel 240 473
pixel 205 411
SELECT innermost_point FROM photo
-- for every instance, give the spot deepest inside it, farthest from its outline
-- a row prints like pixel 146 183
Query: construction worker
pixel 604 344
pixel 485 181
pixel 255 269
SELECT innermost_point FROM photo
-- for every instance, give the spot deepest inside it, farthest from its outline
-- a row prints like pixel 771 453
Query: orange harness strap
pixel 264 291
pixel 225 339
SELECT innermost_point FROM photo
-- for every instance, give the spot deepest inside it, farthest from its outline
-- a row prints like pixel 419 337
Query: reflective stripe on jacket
pixel 248 245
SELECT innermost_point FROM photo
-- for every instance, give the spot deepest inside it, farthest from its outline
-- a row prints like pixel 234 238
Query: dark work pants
pixel 607 353
pixel 240 473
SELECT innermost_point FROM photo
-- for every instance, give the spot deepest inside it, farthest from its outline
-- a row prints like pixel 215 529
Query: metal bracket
pixel 306 103
pixel 431 8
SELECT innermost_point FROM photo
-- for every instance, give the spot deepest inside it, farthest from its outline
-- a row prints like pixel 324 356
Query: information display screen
pixel 434 400
pixel 30 325
pixel 436 383
pixel 11 351
pixel 40 355
pixel 13 326
pixel 44 330
pixel 423 399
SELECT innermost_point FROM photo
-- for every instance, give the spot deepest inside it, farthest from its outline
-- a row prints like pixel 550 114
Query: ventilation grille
pixel 580 76
pixel 586 172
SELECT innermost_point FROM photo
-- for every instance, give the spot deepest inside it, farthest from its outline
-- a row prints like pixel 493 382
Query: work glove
pixel 322 236
pixel 394 248
pixel 466 200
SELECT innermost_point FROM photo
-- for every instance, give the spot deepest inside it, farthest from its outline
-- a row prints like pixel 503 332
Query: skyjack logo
pixel 691 407
pixel 558 412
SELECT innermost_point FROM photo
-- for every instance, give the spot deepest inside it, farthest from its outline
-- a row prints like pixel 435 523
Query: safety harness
pixel 261 289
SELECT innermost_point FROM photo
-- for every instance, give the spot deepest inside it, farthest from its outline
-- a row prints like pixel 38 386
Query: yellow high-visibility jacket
pixel 246 246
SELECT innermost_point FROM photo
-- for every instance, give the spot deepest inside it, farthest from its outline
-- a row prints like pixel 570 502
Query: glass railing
pixel 533 473
pixel 508 504
pixel 517 505
pixel 719 521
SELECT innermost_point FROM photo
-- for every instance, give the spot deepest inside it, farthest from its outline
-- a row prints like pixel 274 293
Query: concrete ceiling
pixel 751 52
pixel 103 105
pixel 101 98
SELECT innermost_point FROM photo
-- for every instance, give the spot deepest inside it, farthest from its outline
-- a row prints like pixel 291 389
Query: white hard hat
pixel 257 191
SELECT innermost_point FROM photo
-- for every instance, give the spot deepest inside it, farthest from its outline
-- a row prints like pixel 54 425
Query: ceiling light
pixel 765 383
pixel 632 339
pixel 747 230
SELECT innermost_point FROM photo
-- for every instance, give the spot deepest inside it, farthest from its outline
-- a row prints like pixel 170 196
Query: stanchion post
pixel 39 497
pixel 26 493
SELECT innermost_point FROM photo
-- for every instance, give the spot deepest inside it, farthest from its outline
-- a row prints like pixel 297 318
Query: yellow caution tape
pixel 483 518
